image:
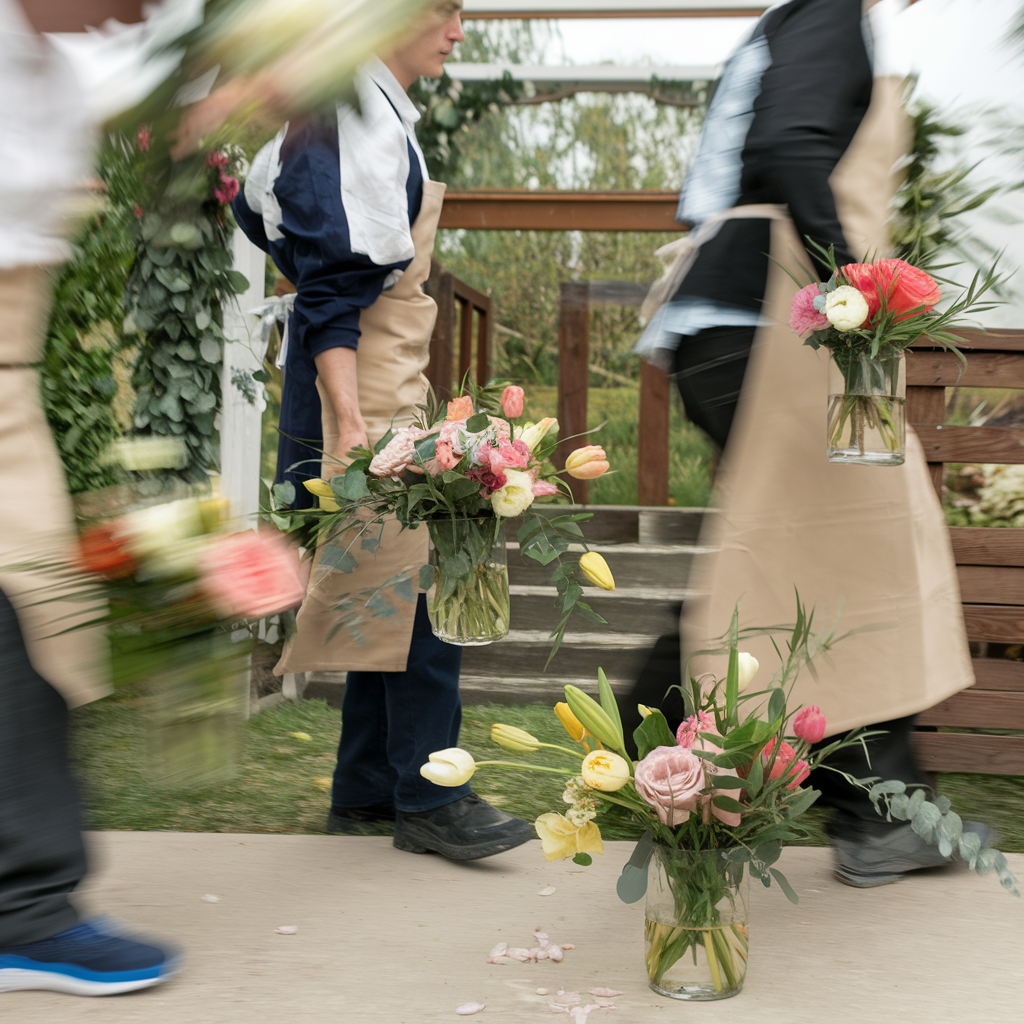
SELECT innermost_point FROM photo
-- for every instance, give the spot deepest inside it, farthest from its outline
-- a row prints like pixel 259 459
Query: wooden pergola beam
pixel 522 210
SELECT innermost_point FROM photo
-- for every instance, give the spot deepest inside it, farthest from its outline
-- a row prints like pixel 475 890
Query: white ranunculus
pixel 515 497
pixel 156 528
pixel 845 308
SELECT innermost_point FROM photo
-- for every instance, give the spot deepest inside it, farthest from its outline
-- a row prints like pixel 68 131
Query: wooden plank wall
pixel 990 561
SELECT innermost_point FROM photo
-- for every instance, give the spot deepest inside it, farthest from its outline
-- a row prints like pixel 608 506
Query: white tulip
pixel 846 308
pixel 451 767
pixel 748 669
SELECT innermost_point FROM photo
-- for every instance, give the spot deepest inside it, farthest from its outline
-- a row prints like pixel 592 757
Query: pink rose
pixel 249 575
pixel 542 488
pixel 228 190
pixel 809 724
pixel 670 780
pixel 513 455
pixel 491 481
pixel 803 317
pixel 512 401
pixel 716 776
pixel 787 763
pixel 445 455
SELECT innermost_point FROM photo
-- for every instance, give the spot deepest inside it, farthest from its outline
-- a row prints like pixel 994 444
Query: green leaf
pixel 481 421
pixel 202 320
pixel 237 282
pixel 797 806
pixel 369 542
pixel 284 493
pixel 609 703
pixel 652 732
pixel 926 821
pixel 354 486
pixel 335 557
pixel 210 350
pixel 632 883
pixel 785 886
pixel 583 859
pixel 426 577
pixel 777 704
pixel 261 375
pixel 403 588
pixel 727 803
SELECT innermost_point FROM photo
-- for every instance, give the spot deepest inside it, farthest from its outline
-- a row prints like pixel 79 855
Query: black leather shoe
pixel 467 829
pixel 350 820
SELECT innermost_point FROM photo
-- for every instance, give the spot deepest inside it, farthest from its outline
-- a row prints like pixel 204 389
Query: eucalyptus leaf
pixel 334 557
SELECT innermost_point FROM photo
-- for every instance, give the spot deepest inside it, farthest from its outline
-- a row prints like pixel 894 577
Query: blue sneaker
pixel 91 959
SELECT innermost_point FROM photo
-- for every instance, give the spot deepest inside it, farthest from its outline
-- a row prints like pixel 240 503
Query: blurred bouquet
pixel 716 801
pixel 172 586
pixel 464 470
pixel 866 314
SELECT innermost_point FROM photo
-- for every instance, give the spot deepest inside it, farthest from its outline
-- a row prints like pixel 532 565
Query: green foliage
pixel 175 297
pixel 85 363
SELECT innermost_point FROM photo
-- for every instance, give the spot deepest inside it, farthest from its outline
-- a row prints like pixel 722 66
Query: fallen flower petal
pixel 499 950
pixel 548 890
pixel 210 898
pixel 555 953
pixel 287 929
pixel 519 954
pixel 466 1009
pixel 542 991
pixel 568 945
pixel 607 993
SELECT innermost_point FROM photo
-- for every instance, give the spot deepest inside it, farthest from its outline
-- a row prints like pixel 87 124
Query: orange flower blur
pixel 102 550
pixel 460 408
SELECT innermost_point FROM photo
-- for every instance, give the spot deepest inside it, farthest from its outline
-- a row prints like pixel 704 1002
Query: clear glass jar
pixel 696 924
pixel 197 710
pixel 866 407
pixel 468 603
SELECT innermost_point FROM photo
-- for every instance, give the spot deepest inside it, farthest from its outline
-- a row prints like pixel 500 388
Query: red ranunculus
pixel 103 551
pixel 905 287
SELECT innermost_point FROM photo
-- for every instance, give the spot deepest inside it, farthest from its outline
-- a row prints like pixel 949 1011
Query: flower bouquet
pixel 716 801
pixel 866 314
pixel 464 470
pixel 172 585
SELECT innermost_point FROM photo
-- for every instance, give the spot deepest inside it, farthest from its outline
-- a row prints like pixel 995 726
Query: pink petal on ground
pixel 555 953
pixel 568 945
pixel 499 950
pixel 607 993
pixel 548 890
pixel 519 954
pixel 287 929
pixel 466 1009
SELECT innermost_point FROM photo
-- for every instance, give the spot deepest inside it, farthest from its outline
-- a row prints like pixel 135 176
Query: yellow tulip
pixel 560 838
pixel 596 570
pixel 322 489
pixel 587 463
pixel 512 738
pixel 605 771
pixel 570 722
pixel 450 767
pixel 533 433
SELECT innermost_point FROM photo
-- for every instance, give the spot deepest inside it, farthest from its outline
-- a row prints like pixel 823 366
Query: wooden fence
pixel 457 302
pixel 990 561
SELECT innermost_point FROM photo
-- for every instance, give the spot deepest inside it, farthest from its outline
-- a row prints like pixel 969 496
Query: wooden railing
pixel 990 561
pixel 457 301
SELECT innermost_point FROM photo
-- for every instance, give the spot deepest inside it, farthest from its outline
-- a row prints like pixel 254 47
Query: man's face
pixel 424 53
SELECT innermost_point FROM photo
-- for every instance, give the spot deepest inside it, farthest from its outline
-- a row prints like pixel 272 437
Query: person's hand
pixel 353 435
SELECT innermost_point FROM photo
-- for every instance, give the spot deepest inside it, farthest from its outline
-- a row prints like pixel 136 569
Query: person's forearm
pixel 75 15
pixel 336 368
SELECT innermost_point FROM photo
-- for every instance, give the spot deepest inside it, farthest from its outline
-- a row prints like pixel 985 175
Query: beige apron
pixel 394 348
pixel 36 516
pixel 868 542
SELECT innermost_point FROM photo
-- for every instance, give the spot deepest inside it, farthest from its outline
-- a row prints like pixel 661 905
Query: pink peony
pixel 228 190
pixel 786 763
pixel 512 401
pixel 249 575
pixel 809 724
pixel 670 779
pixel 543 487
pixel 803 317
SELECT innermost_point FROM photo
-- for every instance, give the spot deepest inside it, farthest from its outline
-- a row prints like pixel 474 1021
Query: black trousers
pixel 708 369
pixel 42 856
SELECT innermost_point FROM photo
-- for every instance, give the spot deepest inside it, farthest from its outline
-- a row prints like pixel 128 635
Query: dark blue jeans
pixel 391 722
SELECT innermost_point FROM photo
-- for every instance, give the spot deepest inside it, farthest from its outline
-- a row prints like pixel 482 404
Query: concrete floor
pixel 391 938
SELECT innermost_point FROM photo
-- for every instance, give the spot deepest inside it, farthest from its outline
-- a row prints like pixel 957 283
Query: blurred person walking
pixel 346 209
pixel 803 140
pixel 45 145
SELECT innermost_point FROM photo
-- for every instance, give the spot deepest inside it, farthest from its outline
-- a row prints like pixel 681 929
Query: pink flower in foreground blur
pixel 228 190
pixel 512 401
pixel 809 724
pixel 215 158
pixel 687 731
pixel 137 210
pixel 543 487
pixel 142 137
pixel 249 575
pixel 786 763
pixel 803 317
pixel 670 780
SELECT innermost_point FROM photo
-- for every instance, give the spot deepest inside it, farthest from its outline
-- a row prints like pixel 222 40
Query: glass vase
pixel 196 710
pixel 468 602
pixel 866 407
pixel 695 927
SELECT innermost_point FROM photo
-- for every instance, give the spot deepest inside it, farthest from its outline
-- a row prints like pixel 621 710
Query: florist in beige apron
pixel 394 349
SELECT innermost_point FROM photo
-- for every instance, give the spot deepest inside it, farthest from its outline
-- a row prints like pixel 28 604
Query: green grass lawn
pixel 283 782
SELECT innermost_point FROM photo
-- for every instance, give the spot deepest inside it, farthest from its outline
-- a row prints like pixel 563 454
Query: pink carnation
pixel 228 190
pixel 803 317
pixel 249 575
pixel 686 734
